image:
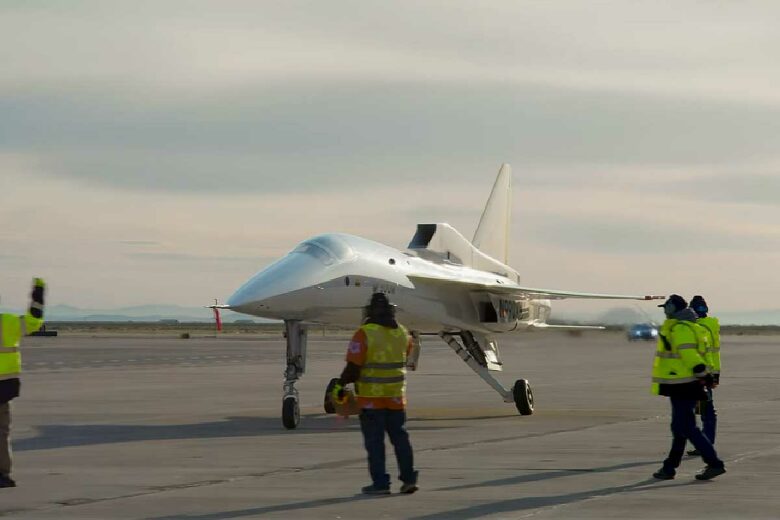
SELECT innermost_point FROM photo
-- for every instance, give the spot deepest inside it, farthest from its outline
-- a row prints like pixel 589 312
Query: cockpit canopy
pixel 328 249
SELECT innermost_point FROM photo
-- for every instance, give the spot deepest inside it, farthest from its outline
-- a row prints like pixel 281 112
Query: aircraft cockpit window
pixel 307 248
pixel 327 249
pixel 336 247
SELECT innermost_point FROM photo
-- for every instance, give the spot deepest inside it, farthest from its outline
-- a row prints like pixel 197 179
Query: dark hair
pixel 380 311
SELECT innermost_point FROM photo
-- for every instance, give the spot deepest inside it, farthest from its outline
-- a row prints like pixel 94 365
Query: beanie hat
pixel 676 302
pixel 699 305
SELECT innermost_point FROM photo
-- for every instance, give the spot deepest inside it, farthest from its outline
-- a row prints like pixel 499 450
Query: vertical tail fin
pixel 492 235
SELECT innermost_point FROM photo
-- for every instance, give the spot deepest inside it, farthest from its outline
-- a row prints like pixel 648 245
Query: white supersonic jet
pixel 442 284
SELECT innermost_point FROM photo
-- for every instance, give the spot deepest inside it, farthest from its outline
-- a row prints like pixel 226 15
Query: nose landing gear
pixel 295 333
pixel 291 412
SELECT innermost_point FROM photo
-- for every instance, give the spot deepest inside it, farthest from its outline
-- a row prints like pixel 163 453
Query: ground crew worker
pixel 680 373
pixel 376 363
pixel 12 329
pixel 709 416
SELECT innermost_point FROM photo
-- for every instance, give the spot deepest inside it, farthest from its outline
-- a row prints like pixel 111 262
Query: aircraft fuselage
pixel 329 278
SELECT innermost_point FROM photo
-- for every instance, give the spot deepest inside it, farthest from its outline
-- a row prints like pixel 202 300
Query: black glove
pixel 707 380
pixel 36 298
pixel 716 378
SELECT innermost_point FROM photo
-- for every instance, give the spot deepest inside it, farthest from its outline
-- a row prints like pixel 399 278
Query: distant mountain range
pixel 141 313
pixel 154 313
pixel 629 315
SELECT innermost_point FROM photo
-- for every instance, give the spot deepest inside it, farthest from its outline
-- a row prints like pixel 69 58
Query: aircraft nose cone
pixel 291 273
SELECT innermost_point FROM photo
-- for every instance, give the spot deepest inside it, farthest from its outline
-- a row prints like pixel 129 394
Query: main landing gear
pixel 472 354
pixel 523 397
pixel 295 333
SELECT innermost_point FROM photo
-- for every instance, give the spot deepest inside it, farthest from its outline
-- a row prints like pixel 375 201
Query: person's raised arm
pixel 34 317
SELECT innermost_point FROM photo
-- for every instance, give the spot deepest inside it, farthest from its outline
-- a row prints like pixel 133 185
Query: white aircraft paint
pixel 437 285
pixel 441 284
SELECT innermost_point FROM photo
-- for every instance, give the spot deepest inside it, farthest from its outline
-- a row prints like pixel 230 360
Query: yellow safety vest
pixel 384 373
pixel 712 327
pixel 681 346
pixel 12 329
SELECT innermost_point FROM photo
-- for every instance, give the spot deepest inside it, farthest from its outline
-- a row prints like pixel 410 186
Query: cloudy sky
pixel 162 152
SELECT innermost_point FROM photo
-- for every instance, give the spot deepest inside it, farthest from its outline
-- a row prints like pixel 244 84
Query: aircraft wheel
pixel 291 412
pixel 329 407
pixel 524 397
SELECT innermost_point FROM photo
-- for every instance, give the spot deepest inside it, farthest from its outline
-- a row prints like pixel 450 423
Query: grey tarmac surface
pixel 166 428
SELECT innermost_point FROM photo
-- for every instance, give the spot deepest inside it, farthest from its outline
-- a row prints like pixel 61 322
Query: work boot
pixel 694 453
pixel 664 474
pixel 6 481
pixel 408 488
pixel 373 490
pixel 710 472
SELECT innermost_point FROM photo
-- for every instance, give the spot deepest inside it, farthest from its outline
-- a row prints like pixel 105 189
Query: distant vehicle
pixel 646 331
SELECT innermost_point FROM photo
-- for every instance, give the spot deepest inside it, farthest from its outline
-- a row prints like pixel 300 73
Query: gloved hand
pixel 38 287
pixel 707 380
pixel 339 394
pixel 36 298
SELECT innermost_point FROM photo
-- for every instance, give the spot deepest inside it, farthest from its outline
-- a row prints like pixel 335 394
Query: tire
pixel 328 401
pixel 291 413
pixel 524 397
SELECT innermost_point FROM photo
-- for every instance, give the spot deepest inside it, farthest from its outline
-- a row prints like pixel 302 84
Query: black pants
pixel 374 424
pixel 684 429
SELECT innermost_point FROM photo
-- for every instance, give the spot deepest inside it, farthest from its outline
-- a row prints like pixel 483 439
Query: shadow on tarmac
pixel 477 511
pixel 459 417
pixel 520 504
pixel 254 511
pixel 546 475
pixel 52 436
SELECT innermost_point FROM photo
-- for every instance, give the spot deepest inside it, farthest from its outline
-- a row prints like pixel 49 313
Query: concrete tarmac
pixel 167 428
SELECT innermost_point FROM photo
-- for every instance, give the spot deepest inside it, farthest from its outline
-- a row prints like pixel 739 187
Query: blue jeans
pixel 709 420
pixel 684 429
pixel 374 424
